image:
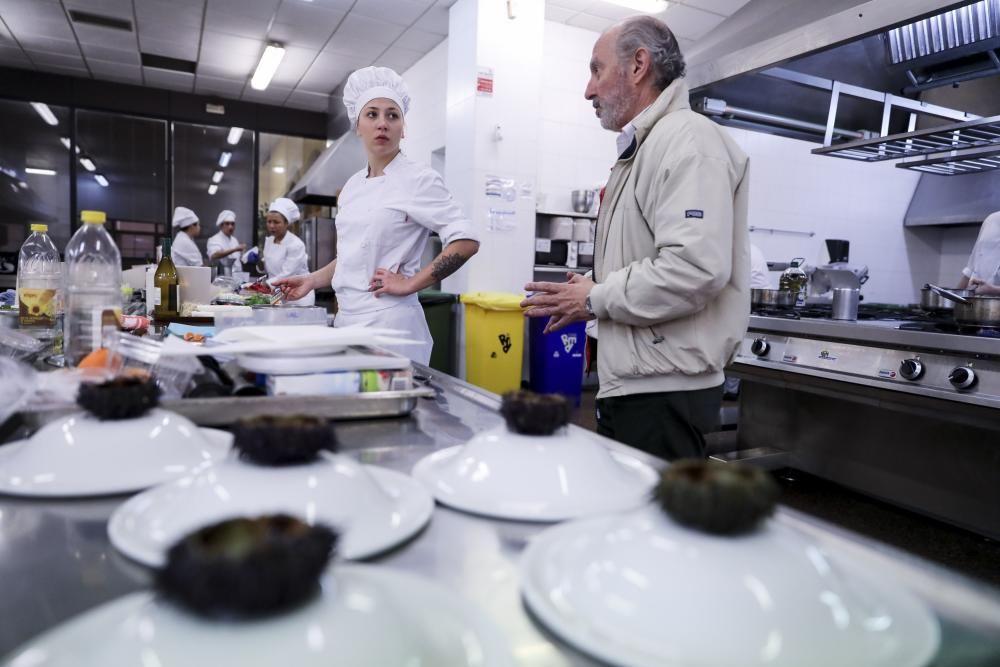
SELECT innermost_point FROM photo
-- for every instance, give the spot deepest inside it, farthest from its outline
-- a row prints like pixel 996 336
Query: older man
pixel 672 262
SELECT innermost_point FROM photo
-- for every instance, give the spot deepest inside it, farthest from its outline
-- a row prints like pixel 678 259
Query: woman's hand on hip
pixel 386 282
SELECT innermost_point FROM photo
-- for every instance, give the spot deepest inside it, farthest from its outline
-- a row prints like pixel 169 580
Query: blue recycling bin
pixel 556 359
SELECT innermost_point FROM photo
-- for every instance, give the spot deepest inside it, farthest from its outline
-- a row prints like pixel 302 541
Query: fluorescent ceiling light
pixel 65 142
pixel 212 189
pixel 278 170
pixel 224 159
pixel 40 172
pixel 45 112
pixel 267 66
pixel 234 135
pixel 23 184
pixel 103 182
pixel 87 163
pixel 647 6
pixel 216 177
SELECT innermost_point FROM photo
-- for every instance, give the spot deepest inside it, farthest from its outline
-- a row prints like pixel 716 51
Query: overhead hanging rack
pixel 972 161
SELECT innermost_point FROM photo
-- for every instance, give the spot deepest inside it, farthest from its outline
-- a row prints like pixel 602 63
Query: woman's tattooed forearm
pixel 446 265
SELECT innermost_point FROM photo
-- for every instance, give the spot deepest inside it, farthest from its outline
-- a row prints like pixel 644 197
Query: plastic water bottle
pixel 39 282
pixel 93 285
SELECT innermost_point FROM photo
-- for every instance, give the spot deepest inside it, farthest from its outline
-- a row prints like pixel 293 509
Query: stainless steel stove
pixel 902 404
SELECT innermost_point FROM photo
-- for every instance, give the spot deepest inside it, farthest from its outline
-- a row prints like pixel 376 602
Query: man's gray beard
pixel 612 112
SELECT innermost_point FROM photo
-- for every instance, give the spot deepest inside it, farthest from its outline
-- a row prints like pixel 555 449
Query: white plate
pixel 353 359
pixel 286 341
pixel 639 590
pixel 373 508
pixel 365 616
pixel 80 455
pixel 536 478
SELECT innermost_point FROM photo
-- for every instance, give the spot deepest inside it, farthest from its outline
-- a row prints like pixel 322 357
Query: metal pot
pixel 772 298
pixel 931 300
pixel 977 311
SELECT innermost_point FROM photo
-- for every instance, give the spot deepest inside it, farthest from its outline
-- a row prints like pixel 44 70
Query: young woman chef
pixel 184 251
pixel 223 247
pixel 284 252
pixel 386 212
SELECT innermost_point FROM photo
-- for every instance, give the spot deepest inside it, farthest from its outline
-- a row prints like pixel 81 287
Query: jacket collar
pixel 674 98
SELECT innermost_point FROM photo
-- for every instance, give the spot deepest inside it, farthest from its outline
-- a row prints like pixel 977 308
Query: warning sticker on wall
pixel 484 82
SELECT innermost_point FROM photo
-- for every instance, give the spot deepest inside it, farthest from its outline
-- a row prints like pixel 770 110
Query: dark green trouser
pixel 670 425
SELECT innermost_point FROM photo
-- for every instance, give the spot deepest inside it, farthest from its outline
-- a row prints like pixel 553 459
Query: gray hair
pixel 653 35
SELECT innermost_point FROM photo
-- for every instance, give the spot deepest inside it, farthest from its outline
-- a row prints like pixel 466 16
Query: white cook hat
pixel 225 216
pixel 369 83
pixel 184 217
pixel 285 207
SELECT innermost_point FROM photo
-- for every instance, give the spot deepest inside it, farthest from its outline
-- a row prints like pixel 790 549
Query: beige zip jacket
pixel 672 260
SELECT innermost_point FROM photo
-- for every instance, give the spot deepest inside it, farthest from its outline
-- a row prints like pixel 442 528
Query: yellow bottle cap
pixel 93 217
pixel 39 227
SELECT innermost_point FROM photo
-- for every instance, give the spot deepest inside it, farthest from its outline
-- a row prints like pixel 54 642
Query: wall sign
pixel 484 82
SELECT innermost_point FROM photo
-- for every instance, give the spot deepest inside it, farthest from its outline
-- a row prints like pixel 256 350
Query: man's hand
pixel 387 282
pixel 983 288
pixel 294 287
pixel 564 303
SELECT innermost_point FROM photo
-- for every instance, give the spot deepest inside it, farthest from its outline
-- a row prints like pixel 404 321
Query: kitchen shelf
pixel 967 135
pixel 568 214
pixel 972 161
pixel 548 268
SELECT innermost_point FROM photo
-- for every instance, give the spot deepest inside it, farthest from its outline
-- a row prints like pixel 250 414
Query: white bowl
pixel 641 590
pixel 373 508
pixel 536 478
pixel 80 455
pixel 365 616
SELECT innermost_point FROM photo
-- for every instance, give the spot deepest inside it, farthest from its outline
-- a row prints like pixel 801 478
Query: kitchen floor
pixel 954 548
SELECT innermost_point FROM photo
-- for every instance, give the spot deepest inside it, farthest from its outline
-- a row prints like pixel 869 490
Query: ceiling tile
pixel 218 46
pixel 399 59
pixel 434 20
pixel 119 9
pixel 311 36
pixel 418 40
pixel 329 71
pixel 77 72
pixel 575 5
pixel 338 5
pixel 25 24
pixel 50 45
pixel 690 23
pixel 724 7
pixel 354 48
pixel 591 22
pixel 13 57
pixel 402 12
pixel 256 8
pixel 159 78
pixel 94 52
pixel 115 71
pixel 558 14
pixel 208 85
pixel 183 49
pixel 225 70
pixel 152 14
pixel 606 10
pixel 115 39
pixel 273 95
pixel 373 30
pixel 293 66
pixel 297 12
pixel 233 23
pixel 55 59
pixel 309 101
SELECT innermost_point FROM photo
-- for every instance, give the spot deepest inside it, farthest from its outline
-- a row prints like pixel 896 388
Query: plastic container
pixel 555 360
pixel 93 286
pixel 439 310
pixel 494 340
pixel 39 285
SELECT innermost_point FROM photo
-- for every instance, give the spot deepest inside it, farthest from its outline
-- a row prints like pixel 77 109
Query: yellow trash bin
pixel 494 340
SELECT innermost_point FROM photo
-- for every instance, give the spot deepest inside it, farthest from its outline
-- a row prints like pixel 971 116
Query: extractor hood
pixel 939 200
pixel 322 182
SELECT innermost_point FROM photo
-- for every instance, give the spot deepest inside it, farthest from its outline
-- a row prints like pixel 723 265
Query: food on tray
pixel 529 413
pixel 247 566
pixel 283 440
pixel 192 337
pixel 721 498
pixel 257 300
pixel 103 359
pixel 121 398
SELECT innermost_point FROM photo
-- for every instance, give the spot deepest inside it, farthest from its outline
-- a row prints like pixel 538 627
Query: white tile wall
pixel 956 246
pixel 425 123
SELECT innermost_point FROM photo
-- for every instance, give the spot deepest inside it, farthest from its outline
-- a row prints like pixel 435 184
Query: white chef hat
pixel 285 207
pixel 184 217
pixel 225 216
pixel 369 83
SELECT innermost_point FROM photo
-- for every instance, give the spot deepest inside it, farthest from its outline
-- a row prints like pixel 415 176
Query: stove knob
pixel 760 347
pixel 911 369
pixel 962 377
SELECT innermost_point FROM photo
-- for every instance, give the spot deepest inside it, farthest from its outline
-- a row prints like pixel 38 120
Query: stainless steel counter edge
pixel 856 332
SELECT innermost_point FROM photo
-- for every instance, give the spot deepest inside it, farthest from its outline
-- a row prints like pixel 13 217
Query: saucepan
pixel 931 300
pixel 772 298
pixel 978 311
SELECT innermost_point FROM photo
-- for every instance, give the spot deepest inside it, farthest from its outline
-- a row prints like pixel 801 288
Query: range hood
pixel 892 76
pixel 323 180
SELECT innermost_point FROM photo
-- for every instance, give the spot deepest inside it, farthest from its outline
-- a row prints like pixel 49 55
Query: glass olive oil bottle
pixel 165 285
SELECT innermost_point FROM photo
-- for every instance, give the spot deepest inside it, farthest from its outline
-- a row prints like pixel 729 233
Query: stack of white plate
pixel 536 478
pixel 80 455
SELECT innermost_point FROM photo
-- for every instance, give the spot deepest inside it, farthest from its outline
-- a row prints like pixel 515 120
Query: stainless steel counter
pixel 56 561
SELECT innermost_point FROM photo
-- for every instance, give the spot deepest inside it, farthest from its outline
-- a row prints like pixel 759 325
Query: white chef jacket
pixel 220 242
pixel 984 262
pixel 760 275
pixel 384 222
pixel 184 251
pixel 287 258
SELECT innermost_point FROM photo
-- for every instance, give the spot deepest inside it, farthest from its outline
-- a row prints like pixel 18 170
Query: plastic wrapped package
pixel 173 374
pixel 18 346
